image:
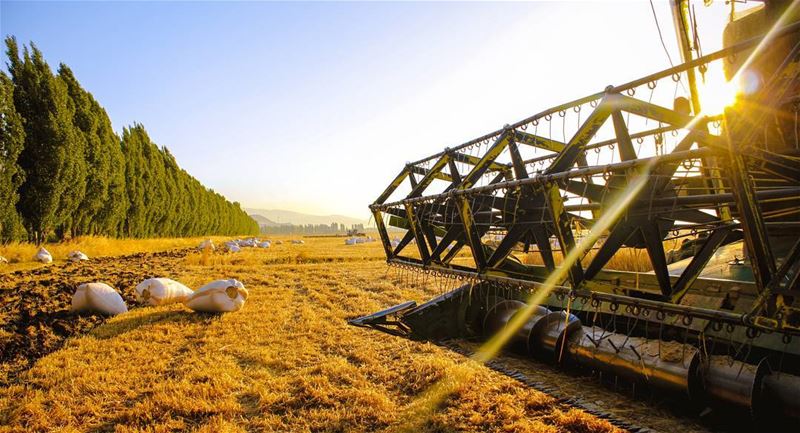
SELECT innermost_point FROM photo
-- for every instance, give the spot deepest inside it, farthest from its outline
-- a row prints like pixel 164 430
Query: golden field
pixel 287 362
pixel 20 255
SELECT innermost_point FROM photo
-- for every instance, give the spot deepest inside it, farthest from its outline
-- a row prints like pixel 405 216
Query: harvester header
pixel 598 232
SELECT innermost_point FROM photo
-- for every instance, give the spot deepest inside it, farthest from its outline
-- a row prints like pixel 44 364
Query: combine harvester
pixel 523 223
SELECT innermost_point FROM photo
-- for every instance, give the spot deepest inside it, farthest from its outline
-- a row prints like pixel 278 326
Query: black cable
pixel 660 36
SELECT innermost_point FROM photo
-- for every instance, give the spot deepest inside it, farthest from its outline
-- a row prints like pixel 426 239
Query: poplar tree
pixel 156 190
pixel 177 200
pixel 68 172
pixel 12 138
pixel 52 157
pixel 96 155
pixel 132 149
pixel 112 213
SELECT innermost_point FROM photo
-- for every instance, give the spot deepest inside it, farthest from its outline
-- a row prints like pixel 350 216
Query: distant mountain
pixel 282 217
pixel 266 222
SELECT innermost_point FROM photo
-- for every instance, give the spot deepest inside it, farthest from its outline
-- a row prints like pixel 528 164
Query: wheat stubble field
pixel 287 361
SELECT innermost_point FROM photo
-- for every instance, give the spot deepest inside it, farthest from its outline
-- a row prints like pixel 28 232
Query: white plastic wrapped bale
pixel 350 241
pixel 43 256
pixel 77 256
pixel 221 296
pixel 98 298
pixel 265 244
pixel 161 291
pixel 206 244
pixel 232 247
pixel 395 243
pixel 298 241
pixel 360 240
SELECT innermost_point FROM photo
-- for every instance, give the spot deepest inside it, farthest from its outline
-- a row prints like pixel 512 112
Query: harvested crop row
pixel 288 361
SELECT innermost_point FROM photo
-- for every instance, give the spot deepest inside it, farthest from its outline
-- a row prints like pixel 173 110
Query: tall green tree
pixel 80 177
pixel 132 149
pixel 12 139
pixel 156 198
pixel 96 155
pixel 111 216
pixel 53 155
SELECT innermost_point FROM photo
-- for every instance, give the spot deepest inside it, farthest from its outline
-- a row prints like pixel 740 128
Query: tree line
pixel 64 172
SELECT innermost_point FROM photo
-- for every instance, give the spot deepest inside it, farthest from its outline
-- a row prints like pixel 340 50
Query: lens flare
pixel 749 81
pixel 716 92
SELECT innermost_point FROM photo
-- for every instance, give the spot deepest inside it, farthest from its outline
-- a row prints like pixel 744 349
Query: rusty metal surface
pixel 555 330
pixel 733 382
pixel 499 315
pixel 781 394
pixel 660 365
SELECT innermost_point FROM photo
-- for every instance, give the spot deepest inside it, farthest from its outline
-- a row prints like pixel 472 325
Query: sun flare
pixel 716 92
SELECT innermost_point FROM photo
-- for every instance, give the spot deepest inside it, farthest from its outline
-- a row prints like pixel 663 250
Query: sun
pixel 716 92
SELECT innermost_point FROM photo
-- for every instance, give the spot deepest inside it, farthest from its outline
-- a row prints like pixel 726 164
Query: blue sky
pixel 314 107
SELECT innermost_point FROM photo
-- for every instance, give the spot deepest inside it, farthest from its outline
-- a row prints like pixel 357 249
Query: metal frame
pixel 529 207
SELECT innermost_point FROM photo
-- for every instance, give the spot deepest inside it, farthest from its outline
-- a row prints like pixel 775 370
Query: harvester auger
pixel 717 316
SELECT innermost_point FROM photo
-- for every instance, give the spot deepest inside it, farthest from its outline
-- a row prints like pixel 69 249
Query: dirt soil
pixel 34 305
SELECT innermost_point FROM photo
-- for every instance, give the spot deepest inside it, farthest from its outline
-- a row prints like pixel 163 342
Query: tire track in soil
pixel 34 304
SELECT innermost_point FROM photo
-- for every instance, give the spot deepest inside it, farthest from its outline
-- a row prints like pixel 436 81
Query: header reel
pixel 500 213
